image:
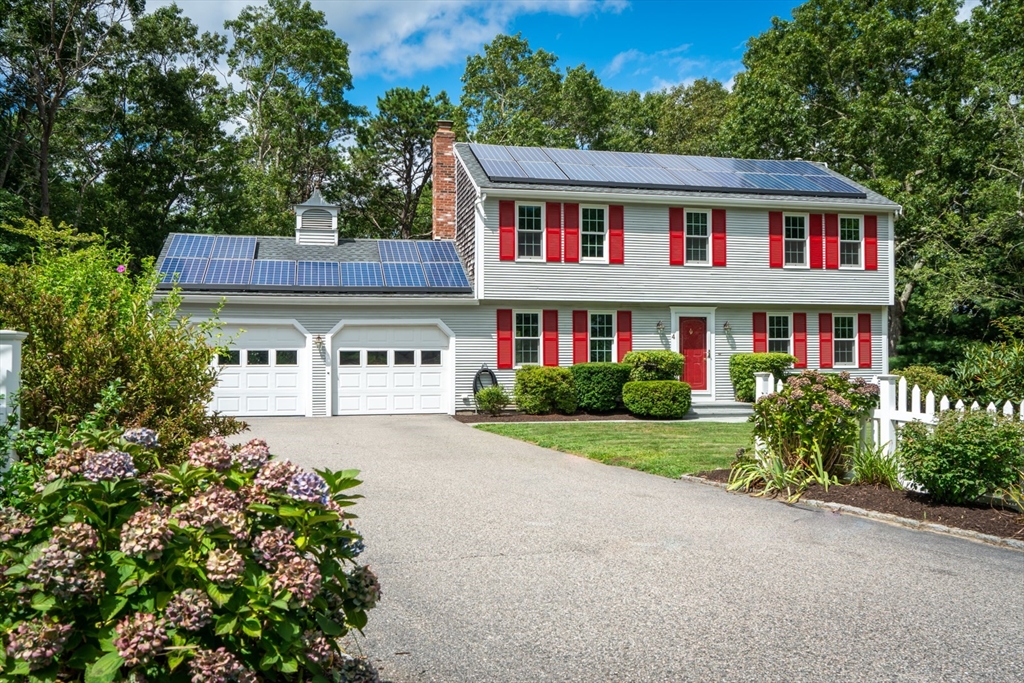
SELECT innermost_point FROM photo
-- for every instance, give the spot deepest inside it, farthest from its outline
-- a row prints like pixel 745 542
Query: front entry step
pixel 720 409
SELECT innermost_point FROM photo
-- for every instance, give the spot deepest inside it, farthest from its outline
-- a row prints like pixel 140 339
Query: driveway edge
pixel 1011 543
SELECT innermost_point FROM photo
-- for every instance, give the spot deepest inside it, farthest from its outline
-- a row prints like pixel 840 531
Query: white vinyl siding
pixel 529 232
pixel 697 237
pixel 849 242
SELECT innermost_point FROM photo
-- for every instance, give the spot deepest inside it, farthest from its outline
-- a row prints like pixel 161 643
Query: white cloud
pixel 674 66
pixel 403 37
pixel 965 10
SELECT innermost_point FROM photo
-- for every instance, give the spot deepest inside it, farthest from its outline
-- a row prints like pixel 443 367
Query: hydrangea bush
pixel 231 567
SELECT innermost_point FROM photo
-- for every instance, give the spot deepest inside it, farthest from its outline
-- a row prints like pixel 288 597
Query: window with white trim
pixel 527 339
pixel 696 237
pixel 529 232
pixel 778 334
pixel 849 242
pixel 844 341
pixel 592 233
pixel 602 337
pixel 795 240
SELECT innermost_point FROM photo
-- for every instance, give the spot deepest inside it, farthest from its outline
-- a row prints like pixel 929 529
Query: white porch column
pixel 764 384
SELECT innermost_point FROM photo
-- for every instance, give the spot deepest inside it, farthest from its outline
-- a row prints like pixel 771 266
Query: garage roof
pixel 231 263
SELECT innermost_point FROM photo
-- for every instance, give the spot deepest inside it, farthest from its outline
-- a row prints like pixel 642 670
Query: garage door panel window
pixel 232 357
pixel 405 358
pixel 376 357
pixel 430 357
pixel 286 357
pixel 348 358
pixel 257 357
pixel 527 338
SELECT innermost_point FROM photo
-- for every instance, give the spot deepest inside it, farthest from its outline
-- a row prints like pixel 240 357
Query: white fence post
pixel 887 387
pixel 763 384
pixel 10 373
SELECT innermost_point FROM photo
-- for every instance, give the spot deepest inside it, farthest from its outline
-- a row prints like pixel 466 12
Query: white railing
pixel 897 406
pixel 10 375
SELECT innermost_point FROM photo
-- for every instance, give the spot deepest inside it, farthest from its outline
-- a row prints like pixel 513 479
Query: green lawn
pixel 666 448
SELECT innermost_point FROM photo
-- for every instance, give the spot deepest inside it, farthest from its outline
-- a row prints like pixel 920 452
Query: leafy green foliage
pixel 989 373
pixel 964 456
pixel 540 390
pixel 492 400
pixel 653 365
pixel 90 325
pixel 132 576
pixel 742 367
pixel 873 465
pixel 692 120
pixel 924 376
pixel 665 399
pixel 599 385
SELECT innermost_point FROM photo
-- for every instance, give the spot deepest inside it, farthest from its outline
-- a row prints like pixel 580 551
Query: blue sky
pixel 631 44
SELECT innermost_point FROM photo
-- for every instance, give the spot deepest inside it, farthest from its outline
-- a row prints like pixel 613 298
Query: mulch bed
pixel 980 518
pixel 473 418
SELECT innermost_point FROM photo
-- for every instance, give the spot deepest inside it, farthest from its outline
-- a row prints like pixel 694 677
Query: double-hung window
pixel 843 340
pixel 527 339
pixel 778 334
pixel 592 233
pixel 696 237
pixel 796 240
pixel 602 337
pixel 529 232
pixel 849 242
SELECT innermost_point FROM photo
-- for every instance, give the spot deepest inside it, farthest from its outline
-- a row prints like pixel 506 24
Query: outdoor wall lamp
pixel 660 327
pixel 726 326
pixel 318 341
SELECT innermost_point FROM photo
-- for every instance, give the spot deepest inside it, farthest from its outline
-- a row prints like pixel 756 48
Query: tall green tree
pixel 633 121
pixel 291 105
pixel 692 118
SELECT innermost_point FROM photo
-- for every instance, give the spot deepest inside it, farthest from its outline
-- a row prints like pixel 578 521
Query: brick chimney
pixel 444 182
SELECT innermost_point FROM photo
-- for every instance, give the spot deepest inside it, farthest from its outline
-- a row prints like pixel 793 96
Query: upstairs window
pixel 796 241
pixel 527 339
pixel 843 340
pixel 530 232
pixel 602 336
pixel 849 243
pixel 592 234
pixel 778 334
pixel 696 237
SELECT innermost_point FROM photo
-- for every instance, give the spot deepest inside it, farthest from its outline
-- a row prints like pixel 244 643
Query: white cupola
pixel 316 221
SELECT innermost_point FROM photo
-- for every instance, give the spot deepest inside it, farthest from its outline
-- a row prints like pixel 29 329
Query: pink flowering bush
pixel 229 567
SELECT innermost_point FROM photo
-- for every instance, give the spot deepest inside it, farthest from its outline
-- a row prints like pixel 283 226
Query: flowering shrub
pixel 228 567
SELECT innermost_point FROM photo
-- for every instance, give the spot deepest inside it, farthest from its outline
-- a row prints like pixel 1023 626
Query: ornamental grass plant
pixel 230 567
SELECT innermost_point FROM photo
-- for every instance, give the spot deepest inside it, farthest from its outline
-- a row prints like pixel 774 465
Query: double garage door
pixel 391 370
pixel 264 372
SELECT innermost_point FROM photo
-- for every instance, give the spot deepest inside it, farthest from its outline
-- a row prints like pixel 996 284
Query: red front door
pixel 693 345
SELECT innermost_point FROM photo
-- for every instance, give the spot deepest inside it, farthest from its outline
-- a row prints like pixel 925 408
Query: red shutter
pixel 504 338
pixel 800 339
pixel 831 241
pixel 676 236
pixel 775 239
pixel 580 345
pixel 507 231
pixel 616 235
pixel 870 242
pixel 816 245
pixel 572 233
pixel 760 333
pixel 824 340
pixel 550 337
pixel 864 340
pixel 624 333
pixel 553 223
pixel 718 237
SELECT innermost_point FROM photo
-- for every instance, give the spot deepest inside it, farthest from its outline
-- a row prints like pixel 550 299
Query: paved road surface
pixel 502 561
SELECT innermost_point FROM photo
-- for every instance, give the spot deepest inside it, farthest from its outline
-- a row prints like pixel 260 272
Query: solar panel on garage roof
pixel 273 272
pixel 184 271
pixel 317 274
pixel 228 271
pixel 437 252
pixel 445 275
pixel 398 251
pixel 401 275
pixel 190 246
pixel 361 274
pixel 228 246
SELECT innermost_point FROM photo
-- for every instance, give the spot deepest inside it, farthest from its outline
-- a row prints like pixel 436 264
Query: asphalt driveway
pixel 502 561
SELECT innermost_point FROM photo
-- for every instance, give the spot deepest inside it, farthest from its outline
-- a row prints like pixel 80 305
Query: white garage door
pixel 263 372
pixel 392 370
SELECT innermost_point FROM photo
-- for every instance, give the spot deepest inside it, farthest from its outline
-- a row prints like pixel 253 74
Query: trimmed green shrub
pixel 924 376
pixel 541 390
pixel 964 456
pixel 989 373
pixel 654 365
pixel 742 367
pixel 231 566
pixel 492 400
pixel 599 385
pixel 665 399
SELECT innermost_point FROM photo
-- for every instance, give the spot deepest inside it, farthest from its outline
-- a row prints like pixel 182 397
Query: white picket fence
pixel 898 406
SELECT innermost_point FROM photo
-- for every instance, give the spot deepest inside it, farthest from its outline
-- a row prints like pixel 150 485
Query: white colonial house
pixel 554 257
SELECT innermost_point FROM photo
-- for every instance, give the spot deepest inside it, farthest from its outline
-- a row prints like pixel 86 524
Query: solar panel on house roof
pixel 273 272
pixel 229 246
pixel 184 271
pixel 437 251
pixel 542 170
pixel 398 251
pixel 401 275
pixel 317 274
pixel 190 246
pixel 228 271
pixel 445 275
pixel 497 168
pixel 361 274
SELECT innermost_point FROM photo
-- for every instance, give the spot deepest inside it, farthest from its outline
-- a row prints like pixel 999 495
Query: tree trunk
pixel 899 310
pixel 44 174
